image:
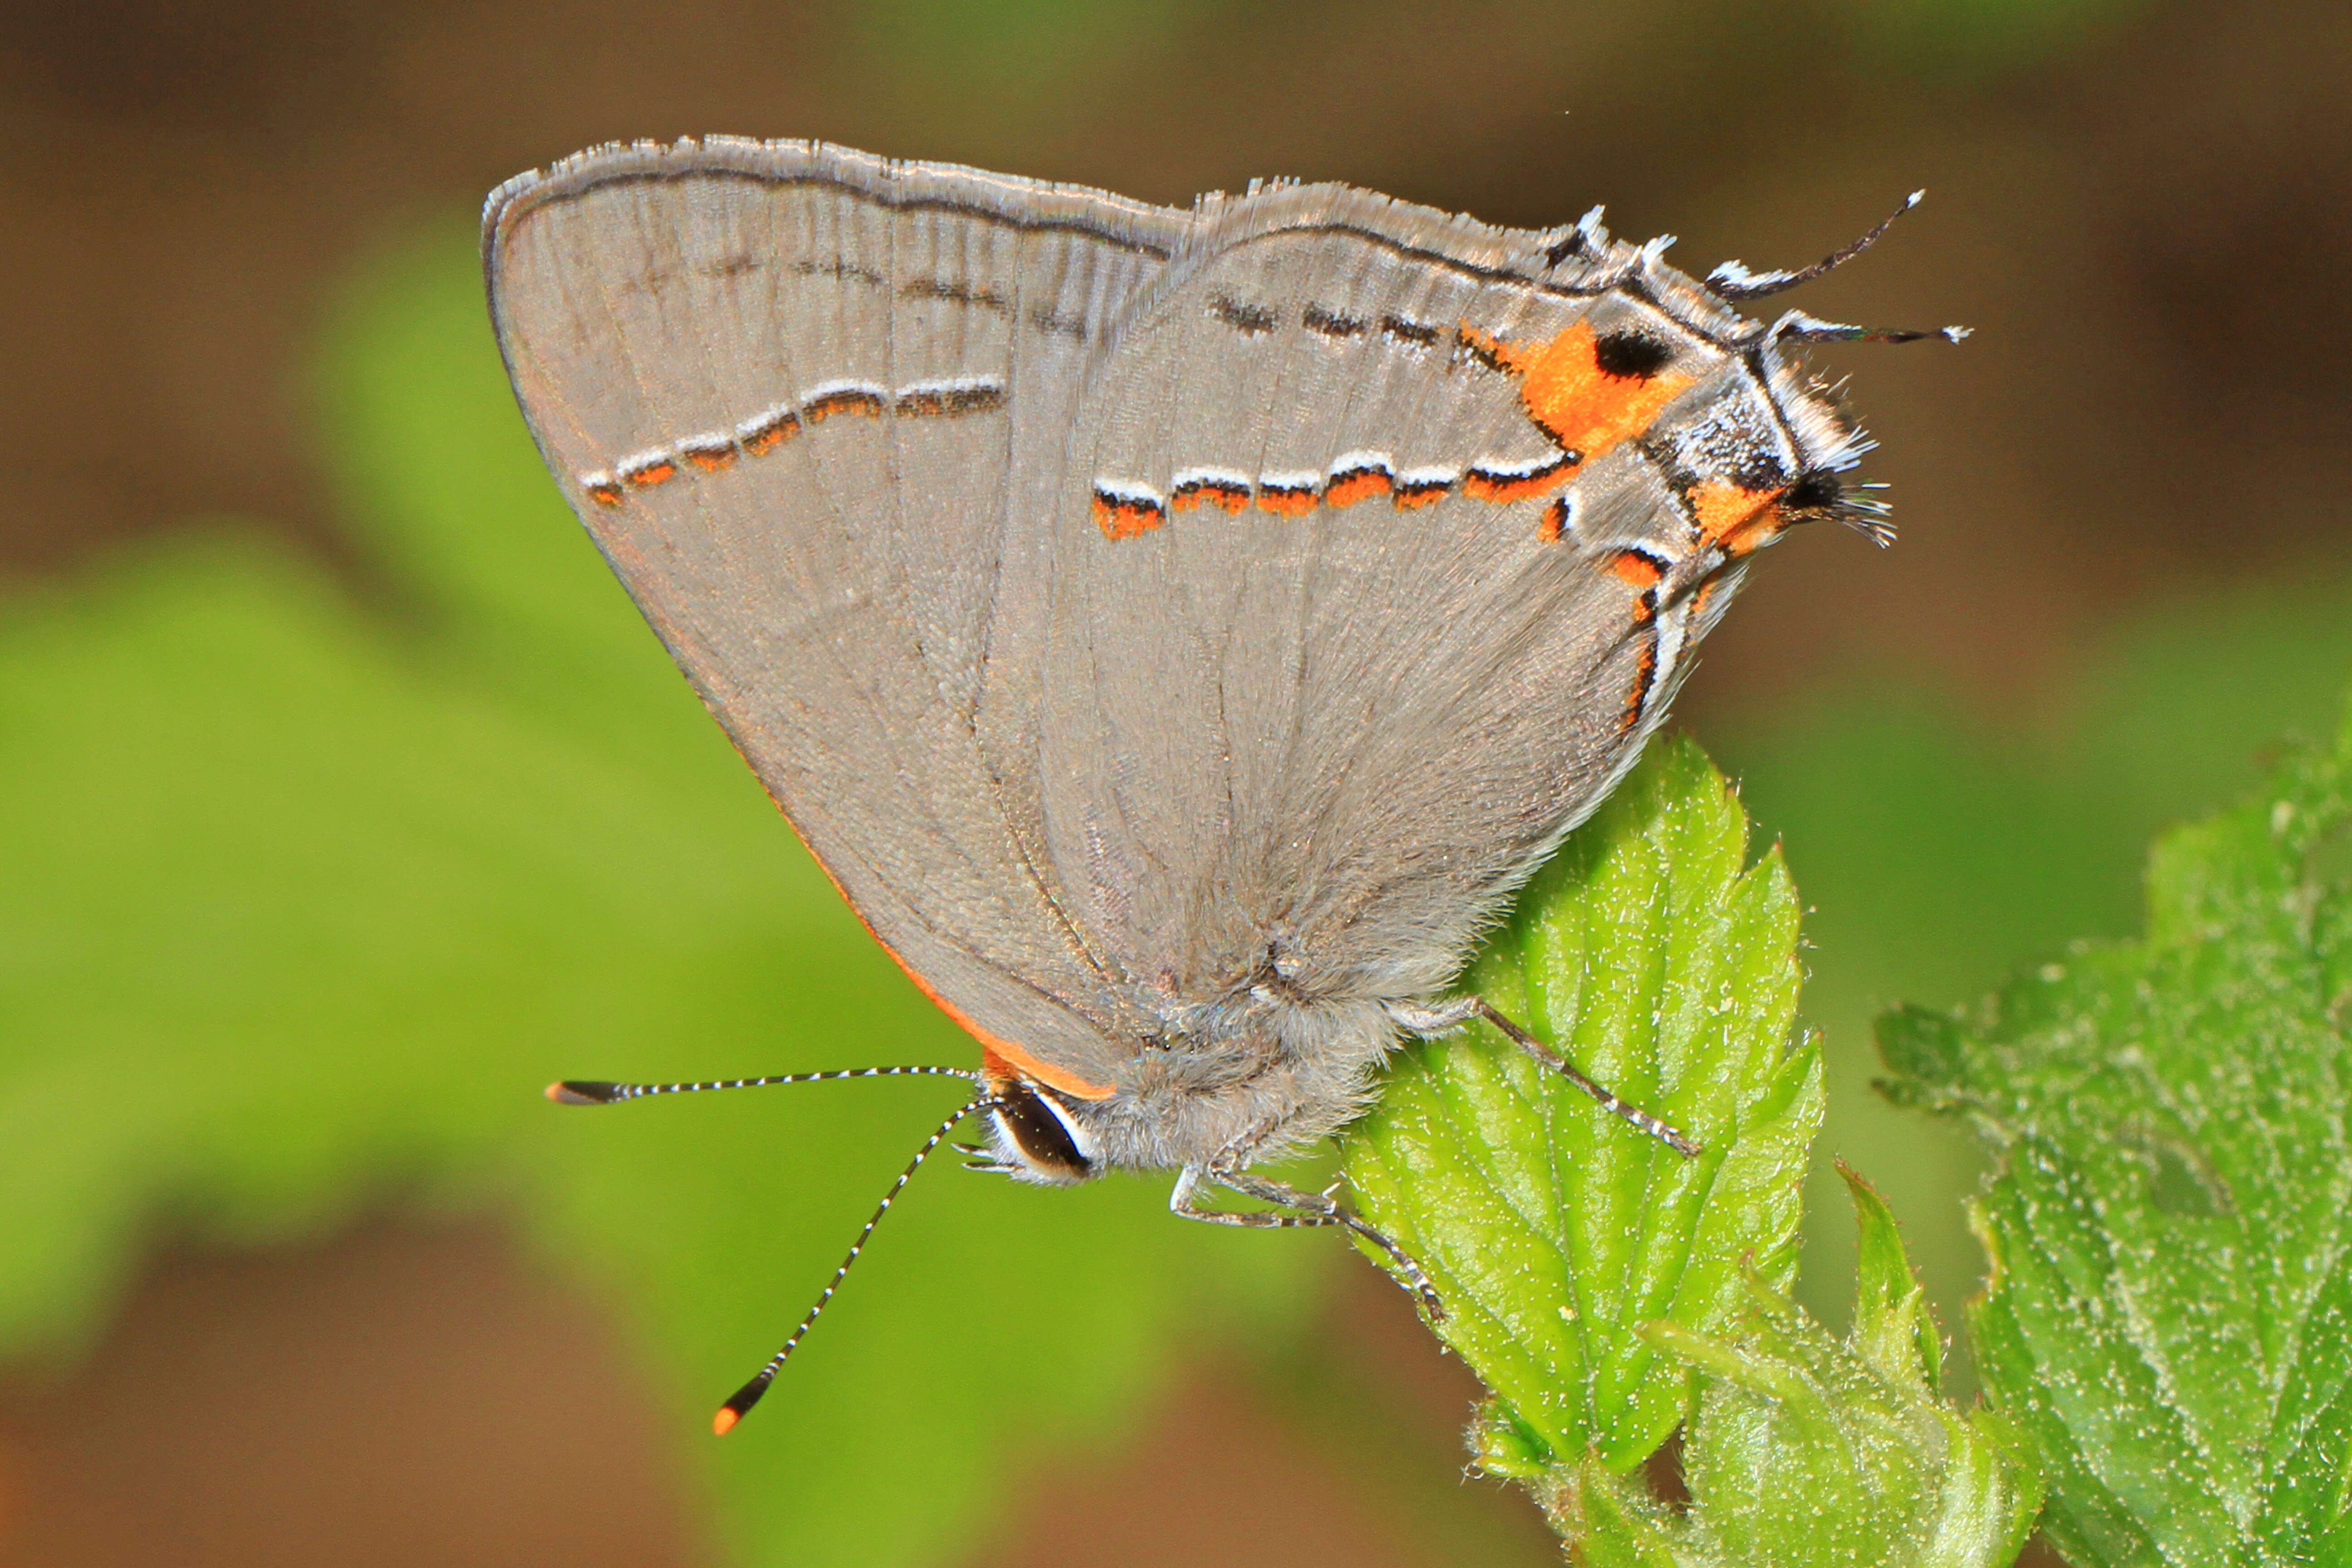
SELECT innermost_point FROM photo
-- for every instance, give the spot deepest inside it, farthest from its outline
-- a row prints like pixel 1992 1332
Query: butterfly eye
pixel 1033 1131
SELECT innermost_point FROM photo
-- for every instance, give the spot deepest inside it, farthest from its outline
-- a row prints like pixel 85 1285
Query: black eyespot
pixel 1040 1134
pixel 1631 355
pixel 1817 491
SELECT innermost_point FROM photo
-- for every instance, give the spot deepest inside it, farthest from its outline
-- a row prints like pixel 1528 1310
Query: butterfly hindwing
pixel 1330 663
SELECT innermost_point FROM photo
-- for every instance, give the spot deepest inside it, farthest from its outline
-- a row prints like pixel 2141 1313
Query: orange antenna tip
pixel 724 1422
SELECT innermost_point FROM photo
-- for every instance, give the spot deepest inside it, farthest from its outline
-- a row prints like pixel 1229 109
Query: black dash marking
pixel 1418 333
pixel 1331 323
pixel 1250 320
pixel 1048 319
pixel 956 294
pixel 1560 250
pixel 970 398
pixel 847 271
pixel 1480 348
pixel 1232 494
pixel 1631 355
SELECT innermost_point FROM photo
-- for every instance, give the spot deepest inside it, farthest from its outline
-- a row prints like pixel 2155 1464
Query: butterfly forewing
pixel 794 393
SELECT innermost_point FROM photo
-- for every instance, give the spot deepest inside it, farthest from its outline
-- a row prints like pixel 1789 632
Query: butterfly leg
pixel 1450 1015
pixel 1430 1022
pixel 1297 1209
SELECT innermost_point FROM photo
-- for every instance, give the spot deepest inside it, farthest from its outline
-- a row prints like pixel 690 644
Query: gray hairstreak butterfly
pixel 1177 633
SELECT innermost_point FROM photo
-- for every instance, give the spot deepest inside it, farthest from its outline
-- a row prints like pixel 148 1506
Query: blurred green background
pixel 347 800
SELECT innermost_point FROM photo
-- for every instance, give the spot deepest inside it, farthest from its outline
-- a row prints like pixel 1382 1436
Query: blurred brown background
pixel 2138 206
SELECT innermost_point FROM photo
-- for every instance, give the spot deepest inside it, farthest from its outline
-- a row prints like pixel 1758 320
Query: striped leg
pixel 1453 1015
pixel 1298 1210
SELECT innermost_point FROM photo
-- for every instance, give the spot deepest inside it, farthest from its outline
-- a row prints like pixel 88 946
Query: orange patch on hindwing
pixel 1734 520
pixel 1357 484
pixel 1001 1060
pixel 1567 390
pixel 1638 570
pixel 1285 500
pixel 1122 514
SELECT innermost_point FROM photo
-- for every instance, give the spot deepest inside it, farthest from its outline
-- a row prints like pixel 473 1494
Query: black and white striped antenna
pixel 597 1091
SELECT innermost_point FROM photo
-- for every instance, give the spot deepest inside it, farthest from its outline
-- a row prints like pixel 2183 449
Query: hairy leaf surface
pixel 1654 956
pixel 2171 1229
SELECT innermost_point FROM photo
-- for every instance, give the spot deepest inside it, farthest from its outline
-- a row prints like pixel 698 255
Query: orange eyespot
pixel 1588 392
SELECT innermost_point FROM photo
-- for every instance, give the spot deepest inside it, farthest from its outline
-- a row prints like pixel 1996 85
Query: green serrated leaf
pixel 2165 1320
pixel 1893 1329
pixel 1615 1522
pixel 1808 1452
pixel 1938 848
pixel 1664 964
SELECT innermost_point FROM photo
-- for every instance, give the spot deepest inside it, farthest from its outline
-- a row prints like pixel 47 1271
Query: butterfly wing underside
pixel 794 393
pixel 1347 725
